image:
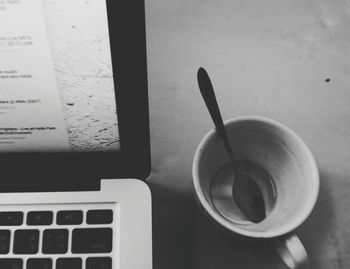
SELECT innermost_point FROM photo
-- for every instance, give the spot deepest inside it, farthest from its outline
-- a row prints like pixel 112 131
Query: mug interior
pixel 281 153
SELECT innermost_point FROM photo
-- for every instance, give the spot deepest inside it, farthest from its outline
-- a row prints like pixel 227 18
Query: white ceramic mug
pixel 286 157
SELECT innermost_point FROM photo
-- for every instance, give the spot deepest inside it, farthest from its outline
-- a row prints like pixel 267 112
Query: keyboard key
pixel 69 263
pixel 11 218
pixel 55 241
pixel 40 218
pixel 39 264
pixel 26 242
pixel 11 263
pixel 92 240
pixel 73 217
pixel 4 241
pixel 99 217
pixel 99 263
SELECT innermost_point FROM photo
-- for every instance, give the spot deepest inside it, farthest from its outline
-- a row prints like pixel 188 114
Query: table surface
pixel 285 60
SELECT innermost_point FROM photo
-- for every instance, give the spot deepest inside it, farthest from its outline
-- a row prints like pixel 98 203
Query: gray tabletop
pixel 285 60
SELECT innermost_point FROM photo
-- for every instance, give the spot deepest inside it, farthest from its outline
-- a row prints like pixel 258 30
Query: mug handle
pixel 291 251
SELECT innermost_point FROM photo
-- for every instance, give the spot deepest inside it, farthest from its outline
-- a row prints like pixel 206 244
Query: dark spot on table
pixel 327 80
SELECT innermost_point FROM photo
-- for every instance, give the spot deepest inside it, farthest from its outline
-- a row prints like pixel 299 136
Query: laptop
pixel 74 135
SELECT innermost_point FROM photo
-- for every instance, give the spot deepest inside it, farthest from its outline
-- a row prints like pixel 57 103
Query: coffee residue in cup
pixel 222 192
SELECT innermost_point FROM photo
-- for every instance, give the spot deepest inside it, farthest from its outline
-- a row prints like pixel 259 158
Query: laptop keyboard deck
pixel 58 236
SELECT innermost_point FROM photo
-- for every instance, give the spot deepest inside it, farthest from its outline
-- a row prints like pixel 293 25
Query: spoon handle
pixel 207 91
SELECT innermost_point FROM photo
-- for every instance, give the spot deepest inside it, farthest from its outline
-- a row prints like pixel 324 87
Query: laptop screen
pixel 56 78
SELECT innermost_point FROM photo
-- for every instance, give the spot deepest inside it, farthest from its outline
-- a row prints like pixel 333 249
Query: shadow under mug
pixel 288 160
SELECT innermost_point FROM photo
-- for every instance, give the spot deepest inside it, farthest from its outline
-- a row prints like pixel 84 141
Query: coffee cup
pixel 290 196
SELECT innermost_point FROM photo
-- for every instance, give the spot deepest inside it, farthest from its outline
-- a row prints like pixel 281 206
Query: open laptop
pixel 74 135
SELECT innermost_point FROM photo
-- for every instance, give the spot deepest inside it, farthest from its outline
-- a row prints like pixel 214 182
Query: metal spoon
pixel 247 194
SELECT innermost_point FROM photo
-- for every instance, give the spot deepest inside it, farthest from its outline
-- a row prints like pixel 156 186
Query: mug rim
pixel 226 223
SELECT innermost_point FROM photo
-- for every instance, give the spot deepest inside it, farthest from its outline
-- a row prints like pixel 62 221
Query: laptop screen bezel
pixel 126 20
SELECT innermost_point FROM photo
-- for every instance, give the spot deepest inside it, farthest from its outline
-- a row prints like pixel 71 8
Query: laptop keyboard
pixel 75 237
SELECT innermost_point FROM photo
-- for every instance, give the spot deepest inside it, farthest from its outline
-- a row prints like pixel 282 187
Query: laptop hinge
pixel 49 184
